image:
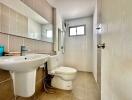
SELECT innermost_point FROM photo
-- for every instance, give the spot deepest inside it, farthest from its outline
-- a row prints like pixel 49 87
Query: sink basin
pixel 23 63
pixel 23 71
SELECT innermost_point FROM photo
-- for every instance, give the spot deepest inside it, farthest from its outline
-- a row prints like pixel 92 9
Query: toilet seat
pixel 65 70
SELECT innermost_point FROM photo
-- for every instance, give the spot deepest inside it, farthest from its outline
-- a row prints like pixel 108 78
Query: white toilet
pixel 63 76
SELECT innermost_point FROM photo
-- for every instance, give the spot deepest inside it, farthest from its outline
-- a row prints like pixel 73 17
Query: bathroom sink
pixel 23 71
pixel 23 63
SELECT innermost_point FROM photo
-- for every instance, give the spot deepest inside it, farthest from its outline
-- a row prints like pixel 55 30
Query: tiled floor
pixel 84 88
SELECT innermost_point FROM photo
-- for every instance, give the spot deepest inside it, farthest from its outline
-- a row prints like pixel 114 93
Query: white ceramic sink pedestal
pixel 23 71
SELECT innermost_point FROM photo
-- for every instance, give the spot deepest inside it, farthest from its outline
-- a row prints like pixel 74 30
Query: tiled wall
pixel 12 44
pixel 79 46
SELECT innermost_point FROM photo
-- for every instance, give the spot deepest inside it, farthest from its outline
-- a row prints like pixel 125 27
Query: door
pixel 100 46
pixel 99 59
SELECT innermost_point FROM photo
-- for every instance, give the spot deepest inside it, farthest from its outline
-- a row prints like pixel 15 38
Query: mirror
pixel 47 32
pixel 43 32
pixel 21 20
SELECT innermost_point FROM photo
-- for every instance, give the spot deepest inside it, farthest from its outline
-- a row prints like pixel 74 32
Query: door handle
pixel 102 46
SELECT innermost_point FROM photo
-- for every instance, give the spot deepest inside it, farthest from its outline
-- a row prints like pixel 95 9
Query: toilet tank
pixel 53 63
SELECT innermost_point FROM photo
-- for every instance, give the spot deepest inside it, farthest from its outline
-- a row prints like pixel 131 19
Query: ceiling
pixel 70 9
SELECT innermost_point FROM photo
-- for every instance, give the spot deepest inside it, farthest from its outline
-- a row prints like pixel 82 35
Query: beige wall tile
pixel 37 46
pixel 30 44
pixel 34 46
pixel 45 47
pixel 4 40
pixel 15 43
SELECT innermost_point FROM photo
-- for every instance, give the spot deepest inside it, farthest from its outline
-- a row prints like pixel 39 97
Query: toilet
pixel 63 76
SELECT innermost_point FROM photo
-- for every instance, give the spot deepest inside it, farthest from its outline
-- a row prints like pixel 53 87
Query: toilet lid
pixel 65 70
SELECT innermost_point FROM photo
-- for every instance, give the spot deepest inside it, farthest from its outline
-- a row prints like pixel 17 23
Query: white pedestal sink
pixel 23 69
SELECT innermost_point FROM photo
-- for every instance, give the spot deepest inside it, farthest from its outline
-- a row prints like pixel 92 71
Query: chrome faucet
pixel 23 50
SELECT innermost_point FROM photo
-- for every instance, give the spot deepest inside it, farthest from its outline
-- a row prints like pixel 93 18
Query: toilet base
pixel 59 83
